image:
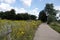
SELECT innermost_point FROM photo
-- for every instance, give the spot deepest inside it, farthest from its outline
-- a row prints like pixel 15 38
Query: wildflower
pixel 22 32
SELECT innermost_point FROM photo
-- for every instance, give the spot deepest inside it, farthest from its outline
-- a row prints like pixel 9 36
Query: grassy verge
pixel 55 26
pixel 20 30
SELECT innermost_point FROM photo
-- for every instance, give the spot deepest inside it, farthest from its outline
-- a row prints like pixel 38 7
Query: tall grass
pixel 55 26
pixel 20 30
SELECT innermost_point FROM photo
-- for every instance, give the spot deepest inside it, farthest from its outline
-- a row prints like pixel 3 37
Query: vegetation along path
pixel 44 32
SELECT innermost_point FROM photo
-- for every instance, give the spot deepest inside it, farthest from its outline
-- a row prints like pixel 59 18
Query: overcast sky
pixel 30 6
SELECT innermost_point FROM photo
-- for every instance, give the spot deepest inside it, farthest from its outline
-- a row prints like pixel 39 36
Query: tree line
pixel 11 15
pixel 47 14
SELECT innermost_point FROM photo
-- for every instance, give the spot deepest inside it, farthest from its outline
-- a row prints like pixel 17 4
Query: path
pixel 44 32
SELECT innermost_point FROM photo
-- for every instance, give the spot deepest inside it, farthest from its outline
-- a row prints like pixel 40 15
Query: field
pixel 55 26
pixel 18 30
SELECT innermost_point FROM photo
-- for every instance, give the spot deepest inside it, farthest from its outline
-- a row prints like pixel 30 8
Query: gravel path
pixel 44 32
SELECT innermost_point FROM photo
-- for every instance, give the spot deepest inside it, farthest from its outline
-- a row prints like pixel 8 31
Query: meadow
pixel 55 26
pixel 18 30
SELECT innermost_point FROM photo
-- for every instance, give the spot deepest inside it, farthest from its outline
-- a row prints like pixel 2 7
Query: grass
pixel 55 26
pixel 20 30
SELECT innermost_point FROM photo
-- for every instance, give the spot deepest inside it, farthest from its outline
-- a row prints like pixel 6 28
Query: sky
pixel 31 6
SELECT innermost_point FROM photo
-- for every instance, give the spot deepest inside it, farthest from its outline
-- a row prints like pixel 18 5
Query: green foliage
pixel 21 30
pixel 58 21
pixel 22 16
pixel 48 14
pixel 8 14
pixel 42 16
pixel 51 18
pixel 49 8
pixel 11 15
pixel 25 16
pixel 33 17
pixel 55 26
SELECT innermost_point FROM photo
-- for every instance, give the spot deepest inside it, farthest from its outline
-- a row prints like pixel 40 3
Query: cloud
pixel 58 14
pixel 35 11
pixel 57 7
pixel 8 1
pixel 1 0
pixel 20 10
pixel 5 7
pixel 27 2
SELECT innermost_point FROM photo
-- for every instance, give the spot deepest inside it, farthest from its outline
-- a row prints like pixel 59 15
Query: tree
pixel 12 14
pixel 9 14
pixel 33 17
pixel 12 11
pixel 42 16
pixel 25 16
pixel 1 14
pixel 18 17
pixel 49 8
